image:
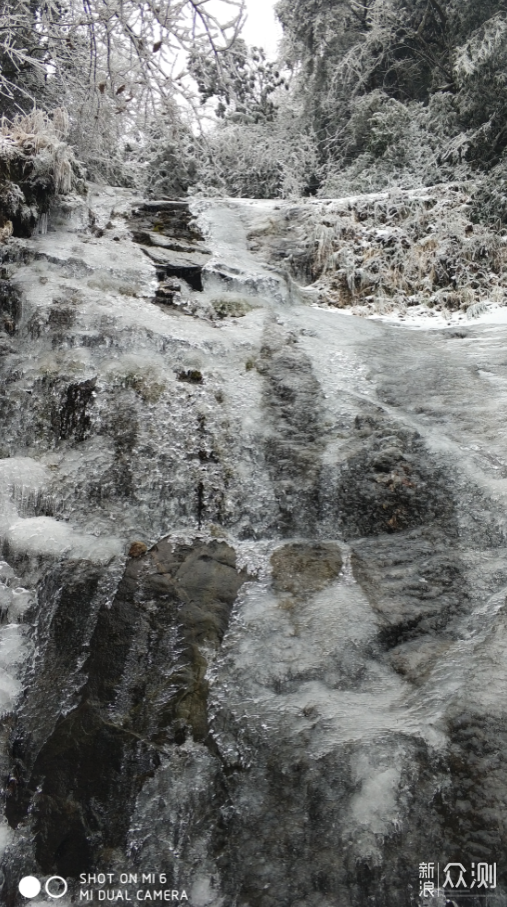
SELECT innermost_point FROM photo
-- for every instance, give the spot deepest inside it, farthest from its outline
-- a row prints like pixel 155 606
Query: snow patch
pixel 375 804
pixel 47 536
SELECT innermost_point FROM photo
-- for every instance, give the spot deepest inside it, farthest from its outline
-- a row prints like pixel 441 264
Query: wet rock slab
pixel 169 236
pixel 143 690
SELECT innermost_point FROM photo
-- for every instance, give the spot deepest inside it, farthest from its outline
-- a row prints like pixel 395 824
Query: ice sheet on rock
pixel 23 472
pixel 15 648
pixel 280 665
pixel 6 573
pixel 203 893
pixel 10 688
pixel 11 645
pixel 7 836
pixel 47 536
pixel 70 213
pixel 225 224
pixel 23 485
pixel 92 256
pixel 86 256
pixel 178 443
pixel 20 601
pixel 375 803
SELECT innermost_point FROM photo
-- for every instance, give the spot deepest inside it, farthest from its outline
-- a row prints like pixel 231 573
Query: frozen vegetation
pixel 407 252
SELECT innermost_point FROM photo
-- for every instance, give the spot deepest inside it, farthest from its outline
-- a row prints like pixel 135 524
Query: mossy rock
pixel 303 568
pixel 137 549
pixel 146 386
pixel 230 307
pixel 191 376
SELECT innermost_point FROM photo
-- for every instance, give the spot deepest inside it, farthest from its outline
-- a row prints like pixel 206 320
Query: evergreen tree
pixel 242 80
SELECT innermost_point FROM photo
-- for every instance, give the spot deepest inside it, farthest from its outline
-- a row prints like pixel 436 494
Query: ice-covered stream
pixel 254 576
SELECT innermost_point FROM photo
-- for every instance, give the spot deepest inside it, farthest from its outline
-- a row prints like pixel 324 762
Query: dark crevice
pixel 200 504
pixel 73 421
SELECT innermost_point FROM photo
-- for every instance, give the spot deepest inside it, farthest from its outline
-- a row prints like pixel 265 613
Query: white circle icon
pixel 29 887
pixel 58 881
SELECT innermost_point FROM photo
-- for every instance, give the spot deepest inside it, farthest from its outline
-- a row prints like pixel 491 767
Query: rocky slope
pixel 253 579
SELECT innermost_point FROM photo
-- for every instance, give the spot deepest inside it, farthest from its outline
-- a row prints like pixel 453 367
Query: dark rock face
pixel 10 306
pixel 170 237
pixel 293 401
pixel 416 587
pixel 73 419
pixel 143 689
pixel 390 484
pixel 174 264
pixel 472 796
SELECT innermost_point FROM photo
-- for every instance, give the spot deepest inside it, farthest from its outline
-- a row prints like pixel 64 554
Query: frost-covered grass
pixel 36 163
pixel 390 251
pixel 42 139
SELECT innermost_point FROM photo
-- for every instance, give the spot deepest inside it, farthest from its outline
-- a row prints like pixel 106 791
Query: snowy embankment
pixel 409 255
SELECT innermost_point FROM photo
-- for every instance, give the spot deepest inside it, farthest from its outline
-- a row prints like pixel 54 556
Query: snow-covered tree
pixel 23 56
pixel 242 79
pixel 114 64
pixel 393 87
pixel 269 159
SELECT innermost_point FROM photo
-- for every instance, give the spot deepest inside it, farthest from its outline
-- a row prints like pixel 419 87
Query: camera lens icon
pixel 55 887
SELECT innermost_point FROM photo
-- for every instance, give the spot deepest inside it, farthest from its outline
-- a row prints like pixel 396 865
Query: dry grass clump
pixel 396 249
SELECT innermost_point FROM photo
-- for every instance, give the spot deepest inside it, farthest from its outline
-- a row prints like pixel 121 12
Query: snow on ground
pixel 422 317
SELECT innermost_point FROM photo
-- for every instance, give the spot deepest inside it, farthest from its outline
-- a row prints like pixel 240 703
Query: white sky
pixel 262 29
